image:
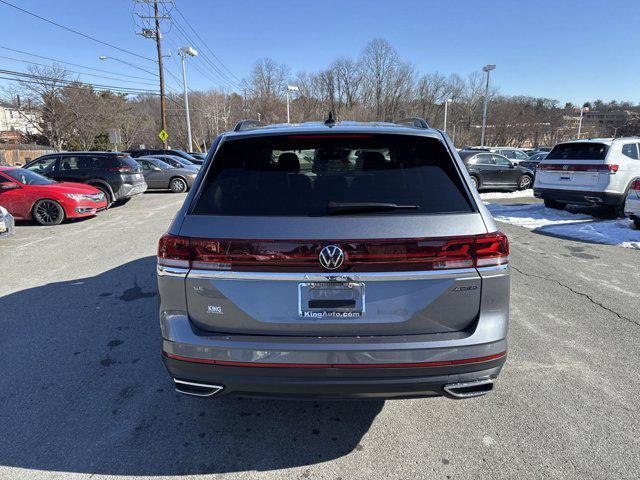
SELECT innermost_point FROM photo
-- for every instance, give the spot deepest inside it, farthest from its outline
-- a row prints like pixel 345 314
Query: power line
pixel 79 73
pixel 205 44
pixel 76 32
pixel 22 75
pixel 76 64
pixel 204 58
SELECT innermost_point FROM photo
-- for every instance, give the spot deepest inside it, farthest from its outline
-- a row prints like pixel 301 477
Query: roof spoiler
pixel 415 122
pixel 247 125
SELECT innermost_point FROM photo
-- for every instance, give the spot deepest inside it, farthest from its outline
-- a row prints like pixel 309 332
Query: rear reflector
pixel 441 363
pixel 573 167
pixel 414 254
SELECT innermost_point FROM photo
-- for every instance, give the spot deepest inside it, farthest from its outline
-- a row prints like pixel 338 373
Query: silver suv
pixel 333 260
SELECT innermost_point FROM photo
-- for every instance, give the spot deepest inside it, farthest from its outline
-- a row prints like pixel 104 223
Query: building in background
pixel 17 122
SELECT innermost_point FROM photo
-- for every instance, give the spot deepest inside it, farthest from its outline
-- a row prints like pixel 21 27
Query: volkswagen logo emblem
pixel 331 257
pixel 565 167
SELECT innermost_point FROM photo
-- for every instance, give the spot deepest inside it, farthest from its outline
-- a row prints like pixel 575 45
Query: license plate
pixel 331 300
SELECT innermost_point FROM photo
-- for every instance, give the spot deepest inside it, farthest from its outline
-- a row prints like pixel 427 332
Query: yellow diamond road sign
pixel 163 135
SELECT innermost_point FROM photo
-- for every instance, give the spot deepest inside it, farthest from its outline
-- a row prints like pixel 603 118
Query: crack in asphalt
pixel 585 295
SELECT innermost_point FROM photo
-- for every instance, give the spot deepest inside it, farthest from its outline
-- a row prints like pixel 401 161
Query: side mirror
pixel 6 186
pixel 512 165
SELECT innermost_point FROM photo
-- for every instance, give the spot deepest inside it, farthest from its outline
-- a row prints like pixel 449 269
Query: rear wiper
pixel 340 208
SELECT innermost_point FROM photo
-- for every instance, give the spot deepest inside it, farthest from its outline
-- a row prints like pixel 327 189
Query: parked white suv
pixel 597 171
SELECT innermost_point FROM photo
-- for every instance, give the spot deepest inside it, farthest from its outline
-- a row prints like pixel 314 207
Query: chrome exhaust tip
pixel 197 389
pixel 475 388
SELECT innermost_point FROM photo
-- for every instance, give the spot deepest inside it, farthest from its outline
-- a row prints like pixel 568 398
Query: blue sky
pixel 573 50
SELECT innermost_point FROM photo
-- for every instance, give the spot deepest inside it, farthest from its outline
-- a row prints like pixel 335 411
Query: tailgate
pixel 559 174
pixel 360 298
pixel 255 303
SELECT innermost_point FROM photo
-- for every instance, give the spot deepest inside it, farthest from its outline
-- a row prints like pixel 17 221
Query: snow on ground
pixel 516 194
pixel 577 226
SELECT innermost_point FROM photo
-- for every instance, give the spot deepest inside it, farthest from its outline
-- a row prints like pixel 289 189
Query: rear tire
pixel 48 212
pixel 617 210
pixel 554 204
pixel 475 182
pixel 525 182
pixel 177 185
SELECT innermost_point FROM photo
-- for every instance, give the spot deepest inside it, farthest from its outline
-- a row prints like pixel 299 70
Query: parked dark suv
pixel 145 152
pixel 118 176
pixel 334 260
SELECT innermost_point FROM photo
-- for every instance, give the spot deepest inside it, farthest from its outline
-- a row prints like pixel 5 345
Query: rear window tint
pixel 128 161
pixel 578 151
pixel 301 175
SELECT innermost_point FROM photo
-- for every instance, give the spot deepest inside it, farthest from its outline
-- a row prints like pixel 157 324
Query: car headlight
pixel 76 196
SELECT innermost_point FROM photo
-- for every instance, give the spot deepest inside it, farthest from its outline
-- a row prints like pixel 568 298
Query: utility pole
pixel 163 102
pixel 150 28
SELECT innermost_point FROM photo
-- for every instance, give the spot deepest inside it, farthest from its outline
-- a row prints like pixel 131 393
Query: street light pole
pixel 487 69
pixel 290 88
pixel 582 110
pixel 446 104
pixel 183 52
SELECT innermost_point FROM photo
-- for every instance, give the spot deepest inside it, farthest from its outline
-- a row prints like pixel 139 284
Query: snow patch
pixel 577 226
pixel 517 194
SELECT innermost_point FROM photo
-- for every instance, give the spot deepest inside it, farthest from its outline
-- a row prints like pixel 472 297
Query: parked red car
pixel 30 196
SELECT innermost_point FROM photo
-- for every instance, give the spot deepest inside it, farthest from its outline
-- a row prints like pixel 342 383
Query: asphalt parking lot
pixel 83 391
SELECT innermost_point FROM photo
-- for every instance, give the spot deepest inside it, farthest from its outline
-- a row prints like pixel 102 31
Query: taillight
pixel 588 167
pixel 121 169
pixel 636 184
pixel 359 255
pixel 491 249
pixel 174 251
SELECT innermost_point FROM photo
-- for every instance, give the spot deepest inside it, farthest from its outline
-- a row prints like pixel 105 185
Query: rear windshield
pixel 317 175
pixel 129 162
pixel 578 151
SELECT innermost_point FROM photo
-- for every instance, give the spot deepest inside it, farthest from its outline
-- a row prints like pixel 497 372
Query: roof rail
pixel 415 122
pixel 247 125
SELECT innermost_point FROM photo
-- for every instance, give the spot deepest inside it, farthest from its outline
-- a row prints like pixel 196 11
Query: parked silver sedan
pixel 160 175
pixel 7 223
pixel 632 205
pixel 175 161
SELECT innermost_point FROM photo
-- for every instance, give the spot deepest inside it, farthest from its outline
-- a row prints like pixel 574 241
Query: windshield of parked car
pixel 161 164
pixel 325 174
pixel 27 177
pixel 578 151
pixel 182 161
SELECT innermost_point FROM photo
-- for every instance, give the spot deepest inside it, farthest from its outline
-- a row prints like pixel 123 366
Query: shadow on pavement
pixel 83 389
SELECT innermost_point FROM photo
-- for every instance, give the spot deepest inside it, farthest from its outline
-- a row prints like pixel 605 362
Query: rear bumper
pixel 130 190
pixel 579 197
pixel 332 383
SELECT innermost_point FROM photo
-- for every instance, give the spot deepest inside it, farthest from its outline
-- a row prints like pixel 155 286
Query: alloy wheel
pixel 48 212
pixel 178 185
pixel 525 182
